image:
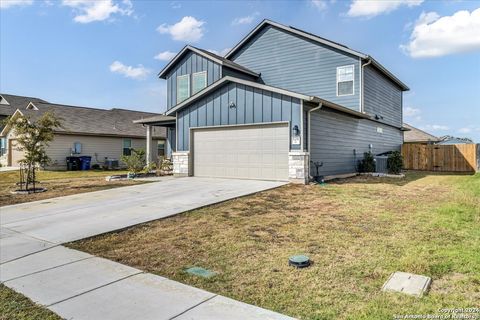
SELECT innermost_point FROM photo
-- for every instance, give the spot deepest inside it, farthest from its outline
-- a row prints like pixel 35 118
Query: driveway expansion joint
pixel 193 307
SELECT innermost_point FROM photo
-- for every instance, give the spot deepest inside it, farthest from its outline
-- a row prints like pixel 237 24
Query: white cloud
pixel 465 130
pixel 434 127
pixel 435 36
pixel 165 56
pixel 187 29
pixel 319 4
pixel 245 20
pixel 5 4
pixel 411 112
pixel 138 73
pixel 221 53
pixel 175 5
pixel 89 11
pixel 372 8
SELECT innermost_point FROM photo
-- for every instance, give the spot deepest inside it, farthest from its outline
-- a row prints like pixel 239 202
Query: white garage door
pixel 248 152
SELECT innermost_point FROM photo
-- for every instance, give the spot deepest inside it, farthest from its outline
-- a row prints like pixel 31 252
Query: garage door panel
pixel 251 152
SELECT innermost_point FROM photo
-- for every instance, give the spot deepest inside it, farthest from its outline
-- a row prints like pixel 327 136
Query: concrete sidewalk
pixel 77 285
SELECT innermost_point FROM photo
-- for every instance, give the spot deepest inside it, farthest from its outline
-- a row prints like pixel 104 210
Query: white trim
pixel 302 146
pixel 31 106
pixel 4 101
pixel 206 55
pixel 353 80
pixel 193 82
pixel 189 90
pixel 6 129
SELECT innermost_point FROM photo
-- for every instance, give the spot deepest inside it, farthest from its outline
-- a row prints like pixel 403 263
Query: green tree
pixel 32 138
pixel 135 162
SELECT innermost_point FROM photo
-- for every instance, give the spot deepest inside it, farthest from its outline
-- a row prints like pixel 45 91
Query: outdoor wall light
pixel 296 131
pixel 232 104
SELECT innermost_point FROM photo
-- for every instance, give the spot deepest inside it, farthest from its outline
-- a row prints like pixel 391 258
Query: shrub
pixel 395 162
pixel 95 166
pixel 135 162
pixel 367 164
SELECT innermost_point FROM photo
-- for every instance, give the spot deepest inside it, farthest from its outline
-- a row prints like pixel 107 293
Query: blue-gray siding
pixel 190 63
pixel 252 105
pixel 335 136
pixel 297 64
pixel 382 97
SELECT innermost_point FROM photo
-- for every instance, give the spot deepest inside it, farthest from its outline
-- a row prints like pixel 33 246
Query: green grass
pixel 14 306
pixel 357 232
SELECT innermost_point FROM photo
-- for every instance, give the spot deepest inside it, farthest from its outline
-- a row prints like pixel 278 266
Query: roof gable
pixel 315 38
pixel 206 54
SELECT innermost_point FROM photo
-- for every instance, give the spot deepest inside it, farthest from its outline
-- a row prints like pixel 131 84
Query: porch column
pixel 148 153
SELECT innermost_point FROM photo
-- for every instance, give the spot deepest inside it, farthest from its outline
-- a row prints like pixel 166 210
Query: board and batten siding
pixel 335 136
pixel 252 105
pixel 189 64
pixel 297 64
pixel 382 97
pixel 96 147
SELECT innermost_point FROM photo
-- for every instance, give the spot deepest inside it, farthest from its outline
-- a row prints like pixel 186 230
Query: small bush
pixel 135 162
pixel 395 162
pixel 367 164
pixel 95 166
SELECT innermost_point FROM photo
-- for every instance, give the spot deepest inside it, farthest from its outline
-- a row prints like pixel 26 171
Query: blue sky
pixel 107 53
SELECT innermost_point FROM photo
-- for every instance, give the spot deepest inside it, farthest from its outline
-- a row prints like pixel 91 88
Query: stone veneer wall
pixel 298 166
pixel 181 164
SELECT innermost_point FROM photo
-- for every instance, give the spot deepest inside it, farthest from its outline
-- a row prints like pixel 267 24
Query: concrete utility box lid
pixel 408 283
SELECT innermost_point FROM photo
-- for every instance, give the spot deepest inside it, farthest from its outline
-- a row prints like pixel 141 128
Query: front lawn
pixel 357 231
pixel 58 183
pixel 14 306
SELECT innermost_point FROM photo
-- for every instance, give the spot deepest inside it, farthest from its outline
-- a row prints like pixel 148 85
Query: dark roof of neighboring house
pixel 92 121
pixel 454 140
pixel 417 135
pixel 318 39
pixel 9 103
pixel 207 54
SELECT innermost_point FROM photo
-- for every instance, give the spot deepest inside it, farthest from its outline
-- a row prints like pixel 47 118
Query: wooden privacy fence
pixel 445 158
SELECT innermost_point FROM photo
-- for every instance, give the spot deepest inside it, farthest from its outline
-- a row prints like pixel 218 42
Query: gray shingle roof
pixel 15 102
pixel 417 135
pixel 92 121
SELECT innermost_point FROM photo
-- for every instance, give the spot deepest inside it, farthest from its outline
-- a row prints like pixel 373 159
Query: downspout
pixel 310 134
pixel 362 108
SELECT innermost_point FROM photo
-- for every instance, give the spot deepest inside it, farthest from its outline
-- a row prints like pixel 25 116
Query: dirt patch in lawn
pixel 356 231
pixel 58 183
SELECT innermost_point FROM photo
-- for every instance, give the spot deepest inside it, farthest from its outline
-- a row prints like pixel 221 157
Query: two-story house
pixel 279 101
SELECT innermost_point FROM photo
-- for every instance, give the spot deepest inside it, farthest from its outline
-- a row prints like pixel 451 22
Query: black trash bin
pixel 85 162
pixel 73 163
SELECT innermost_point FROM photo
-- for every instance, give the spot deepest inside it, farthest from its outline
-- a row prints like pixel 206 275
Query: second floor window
pixel 183 87
pixel 199 81
pixel 345 80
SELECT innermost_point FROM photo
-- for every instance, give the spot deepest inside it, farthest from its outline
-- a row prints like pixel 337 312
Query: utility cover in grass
pixel 201 272
pixel 408 283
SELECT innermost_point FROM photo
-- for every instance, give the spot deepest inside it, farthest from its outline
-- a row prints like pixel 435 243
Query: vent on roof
pixel 4 101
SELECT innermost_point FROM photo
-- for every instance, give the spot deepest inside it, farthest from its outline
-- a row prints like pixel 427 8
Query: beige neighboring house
pixel 414 135
pixel 99 133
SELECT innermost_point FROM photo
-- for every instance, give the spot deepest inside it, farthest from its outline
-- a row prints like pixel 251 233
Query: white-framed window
pixel 199 81
pixel 183 87
pixel 345 80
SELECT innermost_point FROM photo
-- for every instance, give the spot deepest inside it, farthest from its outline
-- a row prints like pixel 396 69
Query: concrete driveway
pixel 80 216
pixel 77 285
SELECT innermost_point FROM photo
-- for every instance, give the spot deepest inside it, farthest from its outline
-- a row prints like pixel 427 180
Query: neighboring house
pixel 99 133
pixel 454 140
pixel 279 100
pixel 415 135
